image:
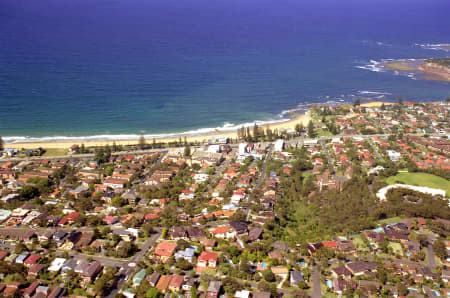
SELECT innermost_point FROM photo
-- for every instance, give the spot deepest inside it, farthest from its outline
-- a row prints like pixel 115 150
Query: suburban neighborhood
pixel 356 204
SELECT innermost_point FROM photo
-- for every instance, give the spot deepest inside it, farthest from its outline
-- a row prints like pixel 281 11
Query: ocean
pixel 114 69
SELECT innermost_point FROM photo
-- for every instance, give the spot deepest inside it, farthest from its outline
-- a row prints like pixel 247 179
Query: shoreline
pixel 429 70
pixel 288 124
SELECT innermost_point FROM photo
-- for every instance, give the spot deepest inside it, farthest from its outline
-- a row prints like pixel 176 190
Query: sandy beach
pixel 376 104
pixel 285 125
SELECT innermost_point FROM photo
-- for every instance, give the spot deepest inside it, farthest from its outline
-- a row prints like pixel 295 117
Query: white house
pixel 56 265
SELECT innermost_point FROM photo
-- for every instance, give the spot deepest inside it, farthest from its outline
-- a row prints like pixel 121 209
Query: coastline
pixel 201 137
pixel 429 71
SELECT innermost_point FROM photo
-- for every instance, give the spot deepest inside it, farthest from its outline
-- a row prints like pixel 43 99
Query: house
pixel 71 240
pixel 360 268
pixel 21 258
pixel 239 227
pixel 369 287
pixel 341 271
pixel 59 235
pixel 56 264
pixel 208 244
pixel 254 233
pixel 45 235
pixel 206 260
pixel 115 183
pixel 165 250
pixel 139 277
pixel 188 284
pixel 153 278
pixel 34 270
pixel 213 289
pixel 242 294
pixel 85 239
pixel 31 260
pixel 57 292
pixel 176 282
pixel 11 289
pixel 29 291
pixel 91 271
pixel 81 266
pixel 68 265
pixel 163 283
pixel 187 254
pixel 261 295
pixel 223 233
pixel 281 271
pixel 296 277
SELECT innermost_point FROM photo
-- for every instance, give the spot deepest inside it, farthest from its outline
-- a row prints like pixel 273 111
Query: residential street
pixel 315 278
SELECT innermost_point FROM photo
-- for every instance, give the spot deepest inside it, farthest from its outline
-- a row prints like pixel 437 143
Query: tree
pixel 423 240
pixel 142 143
pixel 439 249
pixel 299 128
pixel 255 131
pixel 194 292
pixel 400 100
pixel 402 289
pixel 153 293
pixel 311 129
pixel 118 201
pixel 357 102
pixel 2 144
pixel 268 275
pixel 187 150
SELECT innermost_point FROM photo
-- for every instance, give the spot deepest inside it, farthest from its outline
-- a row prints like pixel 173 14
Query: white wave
pixel 373 66
pixel 374 92
pixel 380 43
pixel 226 127
pixel 436 47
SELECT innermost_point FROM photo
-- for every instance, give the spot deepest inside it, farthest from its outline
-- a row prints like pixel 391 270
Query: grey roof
pixel 153 278
pixel 296 276
pixel 214 286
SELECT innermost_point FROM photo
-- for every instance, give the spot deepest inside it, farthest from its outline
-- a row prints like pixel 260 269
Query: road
pixel 127 270
pixel 330 161
pixel 261 178
pixel 316 287
pixel 218 173
pixel 165 149
pixel 375 149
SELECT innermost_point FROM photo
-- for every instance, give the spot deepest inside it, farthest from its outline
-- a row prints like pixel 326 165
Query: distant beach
pixel 232 134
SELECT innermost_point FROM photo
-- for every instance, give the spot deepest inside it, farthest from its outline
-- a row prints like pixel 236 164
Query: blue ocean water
pixel 124 67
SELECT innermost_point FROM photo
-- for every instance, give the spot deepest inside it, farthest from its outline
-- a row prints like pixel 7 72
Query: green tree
pixel 187 150
pixel 357 102
pixel 402 289
pixel 268 275
pixel 142 142
pixel 153 293
pixel 118 201
pixel 311 133
pixel 400 100
pixel 2 144
pixel 439 249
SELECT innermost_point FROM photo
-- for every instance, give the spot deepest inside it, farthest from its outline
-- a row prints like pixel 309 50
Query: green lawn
pixel 396 248
pixel 390 220
pixel 359 243
pixel 421 179
pixel 55 151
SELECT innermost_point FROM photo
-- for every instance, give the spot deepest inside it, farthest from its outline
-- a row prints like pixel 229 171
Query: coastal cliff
pixel 432 69
pixel 441 71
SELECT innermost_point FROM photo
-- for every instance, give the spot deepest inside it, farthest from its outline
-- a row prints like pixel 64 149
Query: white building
pixel 57 264
pixel 279 145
